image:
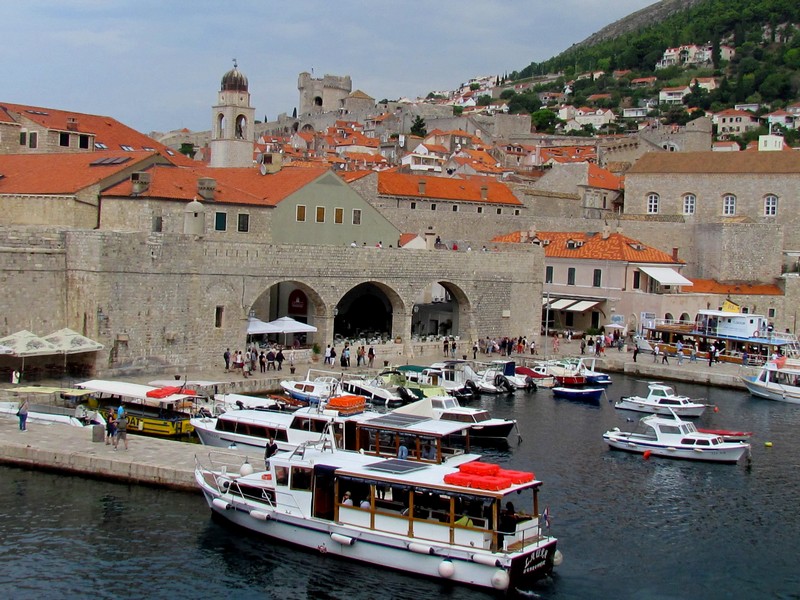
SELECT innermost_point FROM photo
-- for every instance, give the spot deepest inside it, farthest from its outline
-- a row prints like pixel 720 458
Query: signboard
pixel 618 319
pixel 729 306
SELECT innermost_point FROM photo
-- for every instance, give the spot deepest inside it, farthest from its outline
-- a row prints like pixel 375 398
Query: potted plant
pixel 315 352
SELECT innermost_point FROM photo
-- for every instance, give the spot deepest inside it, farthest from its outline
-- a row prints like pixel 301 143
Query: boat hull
pixel 640 444
pixel 579 394
pixel 397 552
pixel 640 405
pixel 772 391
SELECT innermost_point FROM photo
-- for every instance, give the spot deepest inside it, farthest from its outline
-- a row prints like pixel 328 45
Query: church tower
pixel 232 127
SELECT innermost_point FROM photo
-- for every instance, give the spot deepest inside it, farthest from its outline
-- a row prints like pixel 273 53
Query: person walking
pixel 711 352
pixel 635 352
pixel 279 358
pixel 679 350
pixel 693 353
pixel 475 351
pixel 665 356
pixel 655 353
pixel 22 413
pixel 226 356
pixel 111 427
pixel 122 431
pixel 371 356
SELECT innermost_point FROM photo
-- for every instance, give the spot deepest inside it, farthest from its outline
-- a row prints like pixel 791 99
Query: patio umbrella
pixel 257 326
pixel 25 343
pixel 68 341
pixel 286 325
pixel 615 326
pixel 6 350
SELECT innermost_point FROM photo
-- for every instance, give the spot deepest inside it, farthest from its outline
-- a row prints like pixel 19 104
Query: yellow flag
pixel 729 306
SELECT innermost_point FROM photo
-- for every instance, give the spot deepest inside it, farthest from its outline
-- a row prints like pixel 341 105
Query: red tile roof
pixel 244 185
pixel 710 286
pixel 603 179
pixel 392 183
pixel 616 247
pixel 63 173
pixel 405 238
pixel 108 131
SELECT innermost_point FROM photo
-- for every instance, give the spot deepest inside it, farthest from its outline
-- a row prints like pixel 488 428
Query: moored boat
pixel 778 379
pixel 424 519
pixel 661 399
pixel 447 408
pixel 581 394
pixel 317 386
pixel 672 437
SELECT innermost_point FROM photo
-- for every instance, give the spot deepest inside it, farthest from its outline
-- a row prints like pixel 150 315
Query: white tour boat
pixel 674 438
pixel 447 408
pixel 661 399
pixel 433 520
pixel 778 379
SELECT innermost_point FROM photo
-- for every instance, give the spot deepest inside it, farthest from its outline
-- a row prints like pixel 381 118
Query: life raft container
pixel 479 468
pixel 347 405
pixel 163 392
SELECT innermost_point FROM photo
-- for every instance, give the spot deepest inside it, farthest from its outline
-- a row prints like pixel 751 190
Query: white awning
pixel 562 304
pixel 583 305
pixel 665 275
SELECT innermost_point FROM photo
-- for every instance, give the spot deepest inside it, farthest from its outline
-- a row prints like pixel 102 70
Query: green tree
pixel 418 127
pixel 544 120
pixel 484 100
pixel 187 148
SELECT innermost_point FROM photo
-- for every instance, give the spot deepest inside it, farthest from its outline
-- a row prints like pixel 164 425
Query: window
pixel 729 205
pixel 571 276
pixel 516 212
pixel 126 147
pixel 63 139
pixel 637 280
pixel 338 216
pixel 770 205
pixel 771 313
pixel 455 207
pixel 433 206
pixel 652 204
pixel 597 281
pixel 689 204
pixel 320 216
pixel 356 216
pixel 499 211
pixel 243 223
pixel 23 138
pixel 480 210
pixel 413 206
pixel 218 316
pixel 83 142
pixel 33 140
pixel 548 274
pixel 220 221
pixel 102 146
pixel 158 224
pixel 300 213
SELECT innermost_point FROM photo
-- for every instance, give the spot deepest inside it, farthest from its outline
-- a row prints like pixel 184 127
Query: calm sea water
pixel 628 528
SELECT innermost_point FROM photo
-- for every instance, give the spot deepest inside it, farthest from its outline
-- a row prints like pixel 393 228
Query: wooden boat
pixel 672 437
pixel 580 394
pixel 429 520
pixel 165 416
pixel 662 399
pixel 778 379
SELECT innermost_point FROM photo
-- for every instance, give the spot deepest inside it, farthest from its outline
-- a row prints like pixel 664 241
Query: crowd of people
pixel 264 359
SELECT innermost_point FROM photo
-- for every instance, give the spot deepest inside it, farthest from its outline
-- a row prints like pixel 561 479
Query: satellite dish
pixel 263 169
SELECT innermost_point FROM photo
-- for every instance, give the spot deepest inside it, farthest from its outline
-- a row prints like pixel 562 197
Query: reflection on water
pixel 628 528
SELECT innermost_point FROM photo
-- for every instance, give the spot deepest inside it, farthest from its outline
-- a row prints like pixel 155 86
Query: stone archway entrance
pixel 293 299
pixel 441 309
pixel 367 312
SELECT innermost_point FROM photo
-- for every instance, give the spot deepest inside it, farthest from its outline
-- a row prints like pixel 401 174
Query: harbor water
pixel 627 527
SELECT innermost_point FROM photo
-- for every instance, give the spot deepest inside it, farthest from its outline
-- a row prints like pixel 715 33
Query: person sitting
pixel 347 499
pixel 402 452
pixel 464 521
pixel 428 453
pixel 365 504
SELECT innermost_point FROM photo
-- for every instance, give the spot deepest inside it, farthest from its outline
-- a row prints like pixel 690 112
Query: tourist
pixel 270 450
pixel 270 359
pixel 693 353
pixel 365 504
pixel 371 356
pixel 464 521
pixel 122 431
pixel 446 347
pixel 347 499
pixel 279 358
pixel 583 346
pixel 679 350
pixel 744 358
pixel 328 355
pixel 22 413
pixel 453 349
pixel 655 353
pixel 711 351
pixel 111 427
pixel 262 362
pixel 533 347
pixel 475 350
pixel 428 453
pixel 635 352
pixel 332 357
pixel 555 343
pixel 665 356
pixel 226 356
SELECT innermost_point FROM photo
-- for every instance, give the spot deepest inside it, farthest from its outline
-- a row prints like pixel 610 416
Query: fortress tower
pixel 322 95
pixel 232 124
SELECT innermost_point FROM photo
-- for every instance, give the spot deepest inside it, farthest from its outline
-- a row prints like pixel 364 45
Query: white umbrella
pixel 286 325
pixel 71 342
pixel 6 350
pixel 24 343
pixel 257 326
pixel 615 326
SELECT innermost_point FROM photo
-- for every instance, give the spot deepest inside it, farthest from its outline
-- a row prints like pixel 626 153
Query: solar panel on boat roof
pixel 396 465
pixel 396 420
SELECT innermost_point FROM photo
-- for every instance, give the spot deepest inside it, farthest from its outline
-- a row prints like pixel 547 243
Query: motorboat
pixel 565 373
pixel 317 386
pixel 159 411
pixel 539 373
pixel 778 379
pixel 508 369
pixel 588 368
pixel 434 520
pixel 447 408
pixel 672 437
pixel 579 394
pixel 353 425
pixel 55 405
pixel 662 400
pixel 437 379
pixel 457 377
pixel 381 390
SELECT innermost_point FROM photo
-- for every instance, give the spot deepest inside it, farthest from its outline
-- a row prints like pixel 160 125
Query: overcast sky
pixel 157 64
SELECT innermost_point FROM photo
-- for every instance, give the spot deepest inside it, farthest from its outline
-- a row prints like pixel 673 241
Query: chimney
pixel 606 231
pixel 523 237
pixel 484 192
pixel 72 123
pixel 206 187
pixel 140 183
pixel 675 254
pixel 421 188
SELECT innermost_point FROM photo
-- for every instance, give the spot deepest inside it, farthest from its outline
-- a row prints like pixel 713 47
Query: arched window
pixel 220 132
pixel 728 205
pixel 241 127
pixel 652 204
pixel 689 204
pixel 770 205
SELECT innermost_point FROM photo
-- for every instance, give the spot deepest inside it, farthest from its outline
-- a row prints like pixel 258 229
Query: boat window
pixel 716 441
pixel 482 415
pixel 279 435
pixel 258 431
pixel 687 441
pixel 669 401
pixel 671 429
pixel 281 475
pixel 702 443
pixel 690 428
pixel 301 478
pixel 458 417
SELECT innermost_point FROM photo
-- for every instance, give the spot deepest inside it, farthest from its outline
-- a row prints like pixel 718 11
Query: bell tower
pixel 232 126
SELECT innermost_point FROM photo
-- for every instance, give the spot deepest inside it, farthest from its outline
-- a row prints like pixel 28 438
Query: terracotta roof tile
pixel 603 179
pixel 710 286
pixel 392 183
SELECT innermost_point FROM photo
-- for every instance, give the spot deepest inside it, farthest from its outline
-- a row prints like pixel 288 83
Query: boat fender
pixel 260 515
pixel 223 483
pixel 447 569
pixel 246 469
pixel 482 559
pixel 558 558
pixel 221 504
pixel 344 540
pixel 500 580
pixel 646 454
pixel 420 548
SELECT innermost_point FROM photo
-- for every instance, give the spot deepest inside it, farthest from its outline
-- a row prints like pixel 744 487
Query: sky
pixel 156 65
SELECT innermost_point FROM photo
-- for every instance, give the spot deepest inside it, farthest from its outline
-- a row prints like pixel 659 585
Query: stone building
pixel 232 130
pixel 321 95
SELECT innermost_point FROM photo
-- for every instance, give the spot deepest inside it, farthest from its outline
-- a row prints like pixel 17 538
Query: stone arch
pixel 442 308
pixel 240 129
pixel 219 126
pixel 686 318
pixel 272 302
pixel 370 309
pixel 668 317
